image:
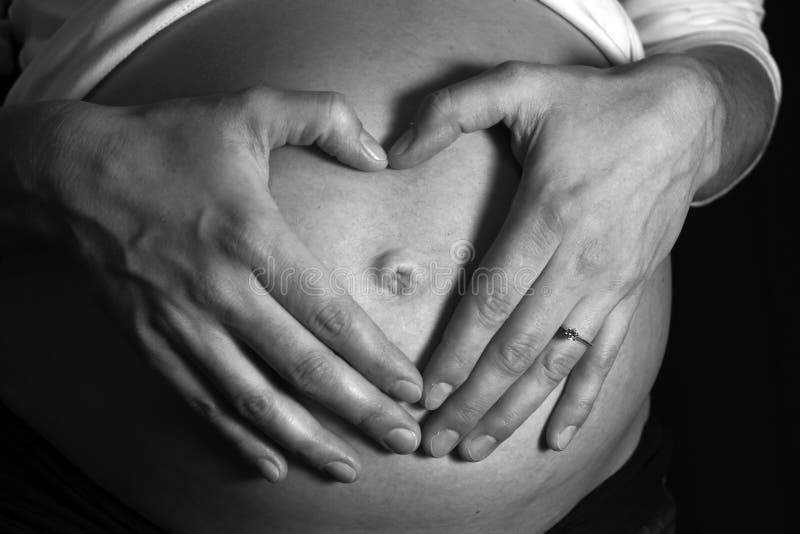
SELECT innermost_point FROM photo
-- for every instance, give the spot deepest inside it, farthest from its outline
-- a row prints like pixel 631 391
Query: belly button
pixel 398 272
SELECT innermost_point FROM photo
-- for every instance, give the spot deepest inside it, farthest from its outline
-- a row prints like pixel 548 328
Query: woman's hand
pixel 170 205
pixel 610 160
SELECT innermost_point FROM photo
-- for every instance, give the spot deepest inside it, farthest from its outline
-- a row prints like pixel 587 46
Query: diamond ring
pixel 572 335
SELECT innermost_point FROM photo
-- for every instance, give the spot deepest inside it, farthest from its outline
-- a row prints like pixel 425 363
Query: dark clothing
pixel 42 492
pixel 633 500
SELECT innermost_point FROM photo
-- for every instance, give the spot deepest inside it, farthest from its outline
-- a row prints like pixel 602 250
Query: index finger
pixel 474 104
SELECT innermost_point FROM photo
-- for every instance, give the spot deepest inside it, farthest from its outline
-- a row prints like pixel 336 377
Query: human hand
pixel 610 161
pixel 170 205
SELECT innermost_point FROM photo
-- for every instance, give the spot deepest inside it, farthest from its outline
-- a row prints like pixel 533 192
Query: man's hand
pixel 611 161
pixel 170 205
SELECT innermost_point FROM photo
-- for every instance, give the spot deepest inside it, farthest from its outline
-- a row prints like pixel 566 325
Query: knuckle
pixel 620 282
pixel 505 423
pixel 582 404
pixel 556 365
pixel 513 70
pixel 460 363
pixel 631 264
pixel 157 363
pixel 204 407
pixel 372 417
pixel 312 448
pixel 632 273
pixel 213 295
pixel 252 106
pixel 227 306
pixel 255 406
pixel 592 258
pixel 441 102
pixel 256 95
pixel 468 412
pixel 455 361
pixel 233 232
pixel 248 240
pixel 453 352
pixel 141 325
pixel 553 217
pixel 203 289
pixel 514 357
pixel 337 108
pixel 150 346
pixel 493 308
pixel 602 360
pixel 332 322
pixel 313 374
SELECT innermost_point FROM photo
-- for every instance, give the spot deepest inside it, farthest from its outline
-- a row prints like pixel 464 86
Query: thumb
pixel 324 119
pixel 508 93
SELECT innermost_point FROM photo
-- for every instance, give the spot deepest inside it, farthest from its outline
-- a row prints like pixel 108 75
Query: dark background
pixel 724 390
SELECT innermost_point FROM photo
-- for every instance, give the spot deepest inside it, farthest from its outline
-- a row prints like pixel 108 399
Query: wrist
pixel 747 100
pixel 706 100
pixel 35 143
pixel 686 92
pixel 39 145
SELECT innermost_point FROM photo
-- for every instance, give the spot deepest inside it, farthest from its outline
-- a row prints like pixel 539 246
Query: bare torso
pixel 125 429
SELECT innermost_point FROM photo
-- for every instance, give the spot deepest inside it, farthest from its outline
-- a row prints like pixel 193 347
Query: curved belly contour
pixel 125 429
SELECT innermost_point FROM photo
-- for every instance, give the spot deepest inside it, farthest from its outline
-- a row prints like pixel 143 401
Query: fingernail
pixel 480 447
pixel 401 440
pixel 269 469
pixel 372 147
pixel 437 395
pixel 341 471
pixel 406 391
pixel 402 144
pixel 565 436
pixel 443 442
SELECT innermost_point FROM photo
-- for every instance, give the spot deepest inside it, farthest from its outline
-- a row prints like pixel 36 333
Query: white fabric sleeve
pixel 67 61
pixel 679 25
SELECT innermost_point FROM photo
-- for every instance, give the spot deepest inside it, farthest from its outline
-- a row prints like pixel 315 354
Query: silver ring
pixel 572 335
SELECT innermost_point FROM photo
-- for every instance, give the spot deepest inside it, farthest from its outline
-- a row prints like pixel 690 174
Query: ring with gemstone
pixel 572 335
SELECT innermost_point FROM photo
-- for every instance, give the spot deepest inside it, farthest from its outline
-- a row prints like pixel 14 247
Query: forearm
pixel 749 105
pixel 28 144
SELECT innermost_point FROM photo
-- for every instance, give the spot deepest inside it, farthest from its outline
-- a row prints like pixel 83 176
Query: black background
pixel 724 390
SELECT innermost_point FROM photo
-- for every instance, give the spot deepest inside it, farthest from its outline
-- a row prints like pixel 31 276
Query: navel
pixel 399 272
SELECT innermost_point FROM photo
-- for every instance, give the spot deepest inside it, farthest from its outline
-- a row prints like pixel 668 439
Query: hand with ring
pixel 611 160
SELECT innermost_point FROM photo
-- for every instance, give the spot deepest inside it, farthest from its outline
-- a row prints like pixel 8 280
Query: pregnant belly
pixel 126 429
